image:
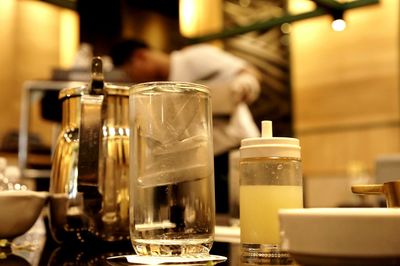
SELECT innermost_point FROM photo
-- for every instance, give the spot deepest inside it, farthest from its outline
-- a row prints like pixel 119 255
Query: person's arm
pixel 231 79
pixel 245 86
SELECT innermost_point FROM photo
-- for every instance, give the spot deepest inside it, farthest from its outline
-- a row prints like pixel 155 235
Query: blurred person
pixel 233 84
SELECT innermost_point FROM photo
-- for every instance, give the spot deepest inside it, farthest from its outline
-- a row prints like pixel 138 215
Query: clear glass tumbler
pixel 172 203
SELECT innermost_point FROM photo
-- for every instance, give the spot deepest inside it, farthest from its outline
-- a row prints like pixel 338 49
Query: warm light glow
pixel 187 17
pixel 59 27
pixel 69 36
pixel 338 25
pixel 286 28
pixel 7 29
pixel 7 8
pixel 197 17
pixel 301 6
pixel 156 31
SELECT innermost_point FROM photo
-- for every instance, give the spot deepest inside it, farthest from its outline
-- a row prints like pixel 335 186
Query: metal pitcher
pixel 89 175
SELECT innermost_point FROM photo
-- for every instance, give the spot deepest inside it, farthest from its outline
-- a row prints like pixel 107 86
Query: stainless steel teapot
pixel 89 175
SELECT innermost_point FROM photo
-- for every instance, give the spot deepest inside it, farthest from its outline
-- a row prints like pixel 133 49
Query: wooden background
pixel 345 85
pixel 35 37
pixel 269 52
pixel 346 89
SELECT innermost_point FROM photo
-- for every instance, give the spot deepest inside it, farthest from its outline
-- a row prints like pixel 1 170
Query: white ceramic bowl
pixel 19 210
pixel 342 236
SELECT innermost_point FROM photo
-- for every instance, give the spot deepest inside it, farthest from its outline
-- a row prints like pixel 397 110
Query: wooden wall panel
pixel 37 39
pixel 7 64
pixel 350 76
pixel 346 88
pixel 330 153
pixel 30 36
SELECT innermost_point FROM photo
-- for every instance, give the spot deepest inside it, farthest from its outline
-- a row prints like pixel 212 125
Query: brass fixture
pixel 391 191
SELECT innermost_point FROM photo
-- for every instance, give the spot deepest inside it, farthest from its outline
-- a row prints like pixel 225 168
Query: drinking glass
pixel 172 205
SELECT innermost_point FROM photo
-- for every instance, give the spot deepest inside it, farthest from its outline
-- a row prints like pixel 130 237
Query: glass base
pixel 172 247
pixel 264 254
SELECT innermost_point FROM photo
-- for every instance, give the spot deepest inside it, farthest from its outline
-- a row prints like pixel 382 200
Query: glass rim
pixel 148 86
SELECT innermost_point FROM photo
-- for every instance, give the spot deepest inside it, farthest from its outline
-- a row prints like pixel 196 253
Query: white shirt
pixel 217 70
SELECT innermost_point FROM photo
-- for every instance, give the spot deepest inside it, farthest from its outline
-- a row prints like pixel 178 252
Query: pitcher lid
pixel 109 89
pixel 96 85
pixel 116 89
pixel 72 92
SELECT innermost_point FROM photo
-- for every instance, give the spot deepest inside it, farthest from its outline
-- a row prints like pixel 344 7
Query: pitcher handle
pixel 90 127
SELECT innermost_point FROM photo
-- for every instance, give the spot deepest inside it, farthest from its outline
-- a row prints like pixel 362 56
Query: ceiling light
pixel 338 23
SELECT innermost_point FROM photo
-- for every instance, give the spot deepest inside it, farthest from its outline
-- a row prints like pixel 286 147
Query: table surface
pixel 36 247
pixel 42 250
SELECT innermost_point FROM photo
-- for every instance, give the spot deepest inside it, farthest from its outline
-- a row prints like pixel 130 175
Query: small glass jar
pixel 270 180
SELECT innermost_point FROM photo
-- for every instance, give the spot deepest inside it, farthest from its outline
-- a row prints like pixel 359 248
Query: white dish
pixel 342 236
pixel 19 211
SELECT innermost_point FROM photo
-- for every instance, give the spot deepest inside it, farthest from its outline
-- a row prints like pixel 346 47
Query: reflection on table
pixel 37 247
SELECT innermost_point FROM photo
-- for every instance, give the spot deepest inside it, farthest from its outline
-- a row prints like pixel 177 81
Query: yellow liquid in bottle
pixel 259 205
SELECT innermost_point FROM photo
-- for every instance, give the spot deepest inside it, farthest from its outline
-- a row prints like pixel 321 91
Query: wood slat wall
pixel 30 38
pixel 346 88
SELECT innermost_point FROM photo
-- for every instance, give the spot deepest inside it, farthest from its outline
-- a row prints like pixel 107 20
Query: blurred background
pixel 336 89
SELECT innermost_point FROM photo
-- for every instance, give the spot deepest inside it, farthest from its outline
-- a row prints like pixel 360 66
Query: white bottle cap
pixel 269 146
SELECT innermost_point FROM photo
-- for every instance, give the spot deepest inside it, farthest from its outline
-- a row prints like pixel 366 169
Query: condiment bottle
pixel 270 179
